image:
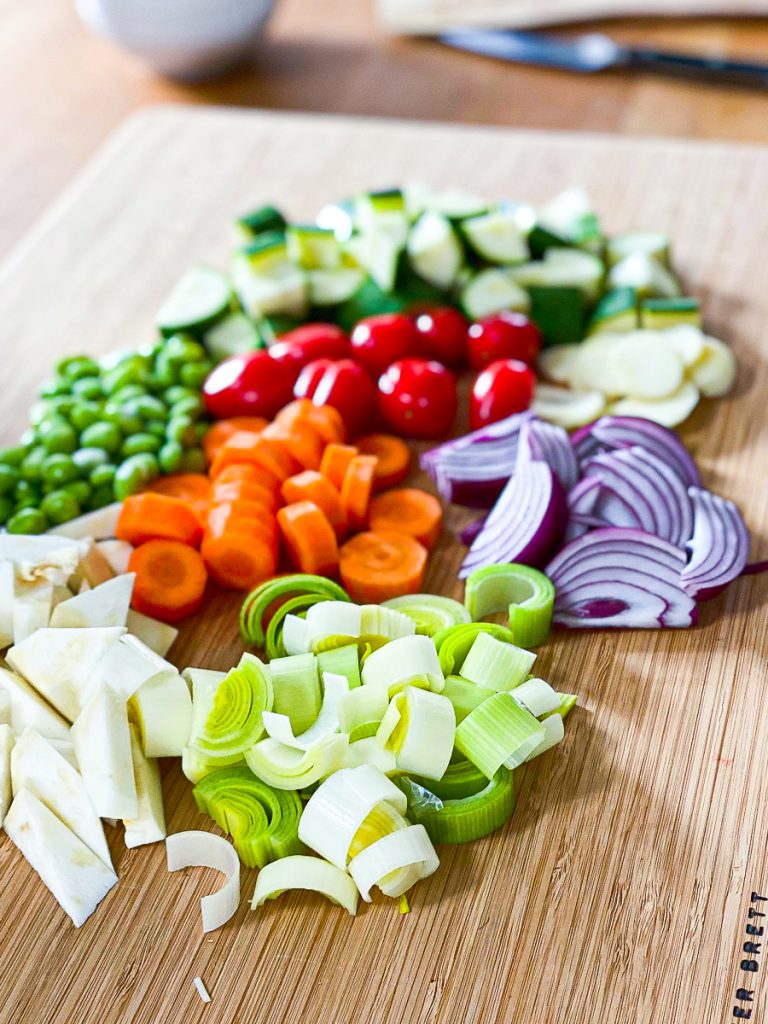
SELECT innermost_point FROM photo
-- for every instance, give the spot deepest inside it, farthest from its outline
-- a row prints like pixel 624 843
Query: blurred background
pixel 69 73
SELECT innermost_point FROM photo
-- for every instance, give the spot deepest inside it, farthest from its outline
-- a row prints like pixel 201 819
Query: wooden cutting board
pixel 620 891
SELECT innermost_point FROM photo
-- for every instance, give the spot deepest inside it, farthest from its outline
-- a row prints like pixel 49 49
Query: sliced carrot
pixel 194 489
pixel 238 559
pixel 170 579
pixel 149 516
pixel 377 566
pixel 324 419
pixel 304 444
pixel 313 486
pixel 243 517
pixel 335 462
pixel 267 453
pixel 244 490
pixel 356 490
pixel 309 538
pixel 224 429
pixel 238 472
pixel 393 454
pixel 408 510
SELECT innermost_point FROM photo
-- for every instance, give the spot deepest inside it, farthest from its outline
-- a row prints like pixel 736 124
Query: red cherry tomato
pixel 443 335
pixel 380 340
pixel 311 341
pixel 252 384
pixel 417 398
pixel 345 385
pixel 504 335
pixel 504 387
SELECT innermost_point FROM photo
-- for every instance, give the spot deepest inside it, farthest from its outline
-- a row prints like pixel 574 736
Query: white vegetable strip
pixel 402 662
pixel 202 991
pixel 553 733
pixel 536 696
pixel 326 723
pixel 419 728
pixel 361 705
pixel 332 618
pixel 6 746
pixel 205 850
pixel 370 751
pixel 103 748
pixel 309 873
pixel 295 635
pixel 149 824
pixel 401 849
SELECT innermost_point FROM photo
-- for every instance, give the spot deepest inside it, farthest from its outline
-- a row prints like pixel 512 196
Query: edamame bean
pixel 84 414
pixel 192 406
pixel 194 461
pixel 180 348
pixel 182 430
pixel 57 436
pixel 127 392
pixel 156 428
pixel 59 469
pixel 15 455
pixel 193 375
pixel 149 408
pixel 9 477
pixel 165 371
pixel 76 367
pixel 32 466
pixel 140 442
pixel 127 423
pixel 26 494
pixel 87 459
pixel 170 457
pixel 57 386
pixel 60 506
pixel 201 429
pixel 102 476
pixel 102 435
pixel 133 474
pixel 6 509
pixel 88 387
pixel 177 393
pixel 27 520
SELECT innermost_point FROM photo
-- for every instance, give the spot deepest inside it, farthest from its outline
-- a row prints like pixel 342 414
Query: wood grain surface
pixel 620 889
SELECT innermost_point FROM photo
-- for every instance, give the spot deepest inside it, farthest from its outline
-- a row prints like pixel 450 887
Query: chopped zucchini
pixel 647 243
pixel 570 216
pixel 496 237
pixel 558 311
pixel 646 275
pixel 490 291
pixel 656 314
pixel 378 253
pixel 338 218
pixel 616 311
pixel 330 287
pixel 434 251
pixel 199 299
pixel 266 218
pixel 232 336
pixel 368 300
pixel 282 288
pixel 383 213
pixel 560 267
pixel 313 248
pixel 455 204
pixel 266 251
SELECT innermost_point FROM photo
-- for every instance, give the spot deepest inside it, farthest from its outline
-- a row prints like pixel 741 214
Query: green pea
pixel 102 435
pixel 14 456
pixel 180 348
pixel 57 436
pixel 84 414
pixel 87 459
pixel 194 461
pixel 28 438
pixel 193 374
pixel 59 469
pixel 134 474
pixel 76 367
pixel 166 371
pixel 182 430
pixel 88 387
pixel 32 466
pixel 57 386
pixel 177 393
pixel 156 428
pixel 6 509
pixel 170 457
pixel 9 477
pixel 27 493
pixel 140 442
pixel 60 506
pixel 51 408
pixel 192 406
pixel 102 476
pixel 27 520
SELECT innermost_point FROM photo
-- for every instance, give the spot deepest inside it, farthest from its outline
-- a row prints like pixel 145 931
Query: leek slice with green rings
pixel 341 661
pixel 495 664
pixel 327 722
pixel 419 728
pixel 305 873
pixel 408 851
pixel 430 612
pixel 256 605
pixel 462 778
pixel 362 708
pixel 464 819
pixel 286 768
pixel 409 661
pixel 464 695
pixel 527 595
pixel 204 683
pixel 499 732
pixel 368 750
pixel 453 644
pixel 296 689
pixel 234 723
pixel 263 822
pixel 274 644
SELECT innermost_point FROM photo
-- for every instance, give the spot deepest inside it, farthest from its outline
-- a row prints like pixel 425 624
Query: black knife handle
pixel 689 66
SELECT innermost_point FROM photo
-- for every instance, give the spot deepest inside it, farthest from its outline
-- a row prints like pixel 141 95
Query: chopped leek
pixel 430 612
pixel 408 848
pixel 341 661
pixel 554 731
pixel 368 750
pixel 498 732
pixel 287 768
pixel 465 819
pixel 382 820
pixel 537 697
pixel 527 594
pixel 205 850
pixel 495 664
pixel 379 624
pixel 234 723
pixel 365 706
pixel 305 873
pixel 568 702
pixel 256 606
pixel 295 607
pixel 204 684
pixel 454 643
pixel 464 696
pixel 332 624
pixel 419 729
pixel 409 661
pixel 263 822
pixel 296 689
pixel 462 778
pixel 327 722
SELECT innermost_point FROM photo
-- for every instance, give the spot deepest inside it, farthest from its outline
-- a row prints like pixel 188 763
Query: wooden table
pixel 63 91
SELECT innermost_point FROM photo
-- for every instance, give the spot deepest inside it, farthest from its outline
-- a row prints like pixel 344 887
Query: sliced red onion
pixel 549 443
pixel 581 502
pixel 610 432
pixel 719 545
pixel 468 534
pixel 525 525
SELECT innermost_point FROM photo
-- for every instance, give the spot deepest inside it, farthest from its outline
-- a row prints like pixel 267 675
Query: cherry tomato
pixel 504 387
pixel 443 335
pixel 380 340
pixel 504 335
pixel 252 384
pixel 417 398
pixel 311 341
pixel 345 385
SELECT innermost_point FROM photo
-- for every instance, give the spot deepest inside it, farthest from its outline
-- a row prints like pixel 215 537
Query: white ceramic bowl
pixel 190 39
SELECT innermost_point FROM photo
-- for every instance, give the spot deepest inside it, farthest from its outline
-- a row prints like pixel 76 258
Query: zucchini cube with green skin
pixel 198 300
pixel 265 218
pixel 234 335
pixel 644 273
pixel 268 284
pixel 616 311
pixel 656 314
pixel 558 311
pixel 267 251
pixel 378 253
pixel 313 248
pixel 491 291
pixel 331 287
pixel 383 213
pixel 496 237
pixel 368 300
pixel 630 243
pixel 434 250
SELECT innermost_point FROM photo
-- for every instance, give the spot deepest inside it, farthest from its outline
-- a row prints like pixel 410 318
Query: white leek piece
pixel 553 733
pixel 127 665
pixel 32 605
pixel 378 621
pixel 410 661
pixel 204 683
pixel 284 767
pixel 36 766
pixel 97 525
pixel 369 751
pixel 7 580
pixel 27 708
pixel 419 728
pixel 295 635
pixel 158 636
pixel 149 824
pixel 361 706
pixel 340 805
pixel 537 697
pixel 59 662
pixel 498 732
pixel 117 553
pixel 338 621
pixel 162 710
pixel 205 850
pixel 496 664
pixel 103 747
pixel 309 873
pixel 78 879
pixel 202 991
pixel 6 746
pixel 401 849
pixel 327 722
pixel 105 605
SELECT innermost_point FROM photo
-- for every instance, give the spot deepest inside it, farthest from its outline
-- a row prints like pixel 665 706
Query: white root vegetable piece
pixel 103 748
pixel 32 603
pixel 205 850
pixel 104 605
pixel 59 663
pixel 127 665
pixel 566 408
pixel 98 525
pixel 27 708
pixel 309 873
pixel 66 749
pixel 162 710
pixel 158 636
pixel 202 991
pixel 149 824
pixel 7 575
pixel 117 553
pixel 557 362
pixel 405 848
pixel 669 411
pixel 93 568
pixel 715 370
pixel 686 340
pixel 6 746
pixel 640 363
pixel 36 766
pixel 42 557
pixel 78 879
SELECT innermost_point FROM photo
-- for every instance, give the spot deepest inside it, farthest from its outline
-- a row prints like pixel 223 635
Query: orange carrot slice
pixel 377 566
pixel 149 516
pixel 301 441
pixel 244 490
pixel 194 489
pixel 267 453
pixel 313 486
pixel 335 462
pixel 356 490
pixel 224 429
pixel 324 419
pixel 408 510
pixel 394 457
pixel 243 517
pixel 238 559
pixel 170 579
pixel 309 538
pixel 238 472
